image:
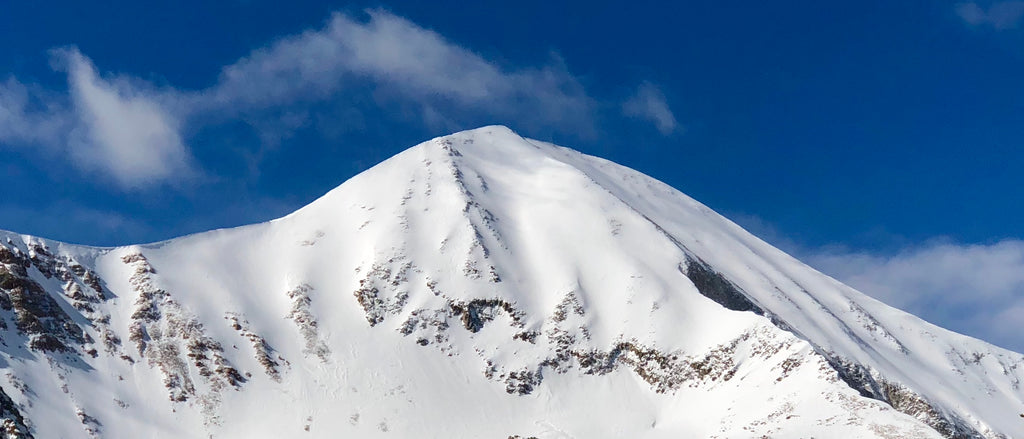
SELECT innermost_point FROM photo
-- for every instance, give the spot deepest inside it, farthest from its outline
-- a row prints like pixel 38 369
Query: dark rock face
pixel 36 313
pixel 39 316
pixel 716 287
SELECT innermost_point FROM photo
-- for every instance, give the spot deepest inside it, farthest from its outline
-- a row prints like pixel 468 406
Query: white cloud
pixel 116 129
pixel 122 131
pixel 974 289
pixel 405 62
pixel 1000 15
pixel 649 103
pixel 132 133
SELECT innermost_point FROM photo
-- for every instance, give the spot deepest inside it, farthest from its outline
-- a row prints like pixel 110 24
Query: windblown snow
pixel 477 285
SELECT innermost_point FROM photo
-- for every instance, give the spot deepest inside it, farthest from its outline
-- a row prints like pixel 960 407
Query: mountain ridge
pixel 530 269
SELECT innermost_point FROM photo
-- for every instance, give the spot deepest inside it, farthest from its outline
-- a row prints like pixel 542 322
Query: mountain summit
pixel 477 285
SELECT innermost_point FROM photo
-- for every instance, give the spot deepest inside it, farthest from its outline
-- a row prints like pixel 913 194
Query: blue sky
pixel 879 141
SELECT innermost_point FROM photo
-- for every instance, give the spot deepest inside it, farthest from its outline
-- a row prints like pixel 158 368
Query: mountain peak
pixel 518 284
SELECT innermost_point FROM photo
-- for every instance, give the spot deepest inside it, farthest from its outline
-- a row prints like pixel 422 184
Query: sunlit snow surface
pixel 486 285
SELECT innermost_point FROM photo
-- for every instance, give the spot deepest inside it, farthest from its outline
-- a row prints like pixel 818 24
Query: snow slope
pixel 477 285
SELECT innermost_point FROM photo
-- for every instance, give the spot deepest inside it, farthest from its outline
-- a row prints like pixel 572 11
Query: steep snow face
pixel 477 285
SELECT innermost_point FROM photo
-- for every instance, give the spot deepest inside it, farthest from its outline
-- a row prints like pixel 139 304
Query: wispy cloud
pixel 122 129
pixel 131 131
pixel 1000 15
pixel 115 129
pixel 648 102
pixel 404 62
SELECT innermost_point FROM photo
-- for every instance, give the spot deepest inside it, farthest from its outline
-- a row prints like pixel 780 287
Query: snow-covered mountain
pixel 477 285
